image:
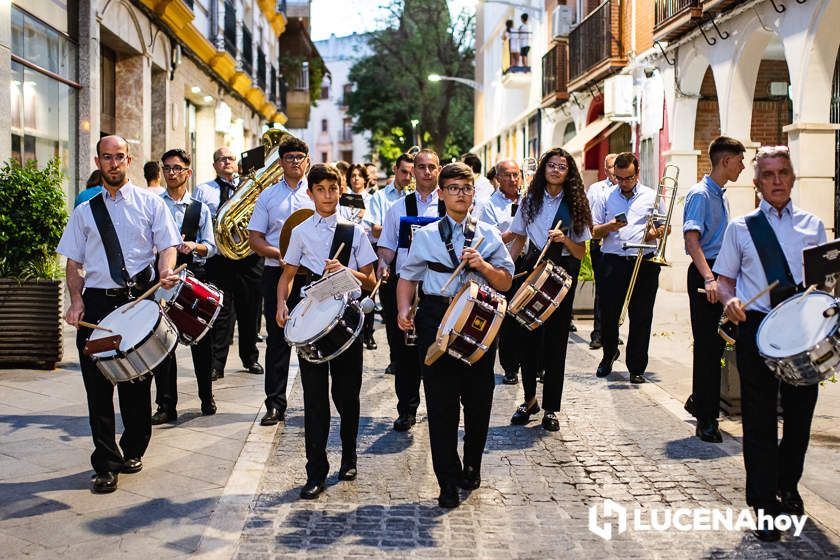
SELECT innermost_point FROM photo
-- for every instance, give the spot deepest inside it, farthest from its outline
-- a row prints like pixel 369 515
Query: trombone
pixel 667 189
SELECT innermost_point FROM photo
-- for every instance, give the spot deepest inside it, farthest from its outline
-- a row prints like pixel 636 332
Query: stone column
pixel 89 96
pixel 5 80
pixel 673 278
pixel 133 118
pixel 812 152
pixel 741 193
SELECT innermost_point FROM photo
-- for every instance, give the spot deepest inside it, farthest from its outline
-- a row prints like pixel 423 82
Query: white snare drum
pixel 148 336
pixel 323 330
pixel 799 344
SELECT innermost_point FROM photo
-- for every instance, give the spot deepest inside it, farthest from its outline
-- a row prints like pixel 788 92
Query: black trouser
pixel 448 384
pixel 346 372
pixel 512 335
pixel 617 271
pixel 277 350
pixel 135 398
pixel 597 270
pixel 771 465
pixel 407 374
pixel 388 299
pixel 240 282
pixel 708 348
pixel 367 328
pixel 547 349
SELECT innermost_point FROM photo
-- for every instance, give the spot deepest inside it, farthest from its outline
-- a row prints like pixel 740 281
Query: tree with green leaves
pixel 391 87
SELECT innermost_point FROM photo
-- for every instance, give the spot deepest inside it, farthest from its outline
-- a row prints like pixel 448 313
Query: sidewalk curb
pixel 220 539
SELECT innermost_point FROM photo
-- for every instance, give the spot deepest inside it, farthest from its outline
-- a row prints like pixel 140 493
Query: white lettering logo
pixel 610 509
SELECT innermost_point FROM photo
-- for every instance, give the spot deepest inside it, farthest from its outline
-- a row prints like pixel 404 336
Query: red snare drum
pixel 192 305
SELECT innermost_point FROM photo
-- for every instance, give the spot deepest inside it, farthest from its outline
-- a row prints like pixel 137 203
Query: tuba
pixel 232 219
pixel 667 190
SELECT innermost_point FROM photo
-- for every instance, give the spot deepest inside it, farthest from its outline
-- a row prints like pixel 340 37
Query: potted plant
pixel 32 218
pixel 584 295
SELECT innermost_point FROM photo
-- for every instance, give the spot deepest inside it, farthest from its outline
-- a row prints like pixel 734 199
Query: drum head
pixel 294 219
pixel 171 294
pixel 134 325
pixel 308 320
pixel 796 325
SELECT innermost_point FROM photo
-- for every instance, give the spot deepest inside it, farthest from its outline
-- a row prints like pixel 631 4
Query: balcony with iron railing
pixel 230 29
pixel 247 52
pixel 345 135
pixel 513 61
pixel 555 70
pixel 675 17
pixel 595 46
pixel 261 70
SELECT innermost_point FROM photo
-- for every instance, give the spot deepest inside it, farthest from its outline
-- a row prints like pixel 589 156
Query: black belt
pixel 445 300
pixel 114 292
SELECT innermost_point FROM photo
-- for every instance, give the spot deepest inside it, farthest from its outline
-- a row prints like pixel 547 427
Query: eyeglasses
pixel 625 179
pixel 225 159
pixel 556 166
pixel 455 189
pixel 176 169
pixel 119 158
pixel 294 158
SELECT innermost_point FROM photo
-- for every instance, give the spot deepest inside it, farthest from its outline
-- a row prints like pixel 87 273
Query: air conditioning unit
pixel 561 21
pixel 619 97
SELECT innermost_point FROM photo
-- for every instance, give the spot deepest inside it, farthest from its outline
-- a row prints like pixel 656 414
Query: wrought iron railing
pixel 555 70
pixel 591 42
pixel 666 9
pixel 261 69
pixel 230 28
pixel 346 135
pixel 247 51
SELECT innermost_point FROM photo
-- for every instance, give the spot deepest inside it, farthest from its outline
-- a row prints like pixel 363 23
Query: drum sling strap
pixel 445 232
pixel 411 205
pixel 113 251
pixel 189 229
pixel 772 257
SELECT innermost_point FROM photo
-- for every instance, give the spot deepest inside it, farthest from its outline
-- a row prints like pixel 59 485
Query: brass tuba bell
pixel 233 216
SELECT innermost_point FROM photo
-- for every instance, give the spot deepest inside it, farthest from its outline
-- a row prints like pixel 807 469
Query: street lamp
pixel 414 123
pixel 472 83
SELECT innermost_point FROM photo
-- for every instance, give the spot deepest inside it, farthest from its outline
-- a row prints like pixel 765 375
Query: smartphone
pixel 621 218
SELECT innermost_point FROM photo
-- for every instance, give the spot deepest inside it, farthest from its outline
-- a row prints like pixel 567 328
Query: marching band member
pixel 598 191
pixel 312 245
pixel 620 218
pixel 704 222
pixel 274 205
pixel 196 226
pixel 499 211
pixel 758 248
pixel 400 222
pixel 136 219
pixel 556 193
pixel 380 203
pixel 448 382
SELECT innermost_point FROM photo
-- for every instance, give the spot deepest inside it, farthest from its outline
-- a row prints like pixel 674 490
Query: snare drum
pixel 540 295
pixel 799 344
pixel 148 336
pixel 470 324
pixel 323 330
pixel 192 305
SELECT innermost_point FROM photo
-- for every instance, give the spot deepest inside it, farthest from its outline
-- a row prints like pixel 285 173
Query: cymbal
pixel 295 219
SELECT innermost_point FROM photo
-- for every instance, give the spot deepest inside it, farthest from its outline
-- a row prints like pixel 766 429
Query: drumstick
pixel 701 291
pixel 752 299
pixel 806 293
pixel 523 273
pixel 93 326
pixel 338 252
pixel 547 244
pixel 152 290
pixel 375 288
pixel 460 267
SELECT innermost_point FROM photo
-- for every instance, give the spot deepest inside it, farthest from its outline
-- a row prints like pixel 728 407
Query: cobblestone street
pixel 615 442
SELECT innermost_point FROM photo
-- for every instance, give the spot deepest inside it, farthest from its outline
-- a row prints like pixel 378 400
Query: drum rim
pixel 180 285
pixel 775 311
pixel 120 353
pixel 344 346
pixel 329 327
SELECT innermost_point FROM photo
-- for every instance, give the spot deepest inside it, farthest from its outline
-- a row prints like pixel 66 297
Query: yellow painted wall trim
pixel 240 82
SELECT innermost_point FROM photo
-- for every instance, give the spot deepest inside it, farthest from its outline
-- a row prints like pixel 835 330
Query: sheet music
pixel 338 283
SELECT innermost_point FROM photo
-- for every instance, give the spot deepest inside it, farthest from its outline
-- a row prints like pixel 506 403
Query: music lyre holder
pixel 822 264
pixel 252 160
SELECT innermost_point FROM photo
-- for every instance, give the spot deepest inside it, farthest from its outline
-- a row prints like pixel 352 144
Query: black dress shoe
pixel 550 423
pixel 312 489
pixel 471 479
pixel 637 378
pixel 255 368
pixel 791 502
pixel 208 407
pixel 370 343
pixel 449 497
pixel 595 343
pixel 541 376
pixel 523 414
pixel 767 535
pixel 404 422
pixel 510 378
pixel 131 466
pixel 708 432
pixel 390 370
pixel 260 338
pixel 105 483
pixel 272 416
pixel 216 374
pixel 690 406
pixel 605 367
pixel 163 416
pixel 572 327
pixel 347 472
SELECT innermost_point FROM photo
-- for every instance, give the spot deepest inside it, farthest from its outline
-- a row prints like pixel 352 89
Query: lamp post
pixel 414 138
pixel 472 83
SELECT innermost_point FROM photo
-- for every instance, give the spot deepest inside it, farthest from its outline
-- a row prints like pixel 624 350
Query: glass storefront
pixel 44 104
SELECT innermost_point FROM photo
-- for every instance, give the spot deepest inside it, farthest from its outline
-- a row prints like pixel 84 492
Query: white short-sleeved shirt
pixel 210 194
pixel 497 211
pixel 537 229
pixel 274 205
pixel 312 239
pixel 379 203
pixel 143 224
pixel 204 235
pixel 391 226
pixel 636 209
pixel 738 258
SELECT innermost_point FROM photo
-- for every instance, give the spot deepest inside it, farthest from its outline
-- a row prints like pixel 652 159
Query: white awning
pixel 590 132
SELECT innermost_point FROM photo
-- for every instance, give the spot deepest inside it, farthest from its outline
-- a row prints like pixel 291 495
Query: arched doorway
pixel 707 124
